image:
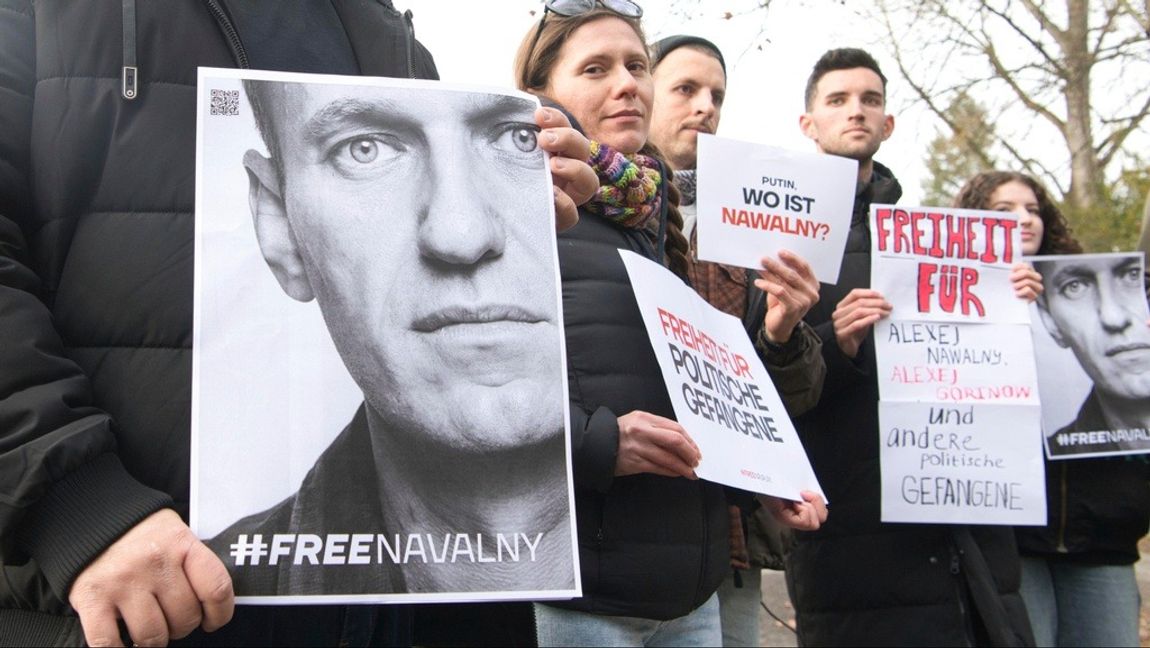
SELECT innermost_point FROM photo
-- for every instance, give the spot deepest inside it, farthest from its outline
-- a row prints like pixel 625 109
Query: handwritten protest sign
pixel 959 417
pixel 950 362
pixel 952 255
pixel 719 388
pixel 960 463
pixel 754 200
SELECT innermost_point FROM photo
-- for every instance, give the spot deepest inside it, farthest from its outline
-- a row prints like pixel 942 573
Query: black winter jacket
pixel 649 546
pixel 1097 509
pixel 96 240
pixel 858 581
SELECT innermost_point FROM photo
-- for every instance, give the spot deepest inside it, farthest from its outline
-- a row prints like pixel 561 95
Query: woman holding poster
pixel 652 537
pixel 1077 571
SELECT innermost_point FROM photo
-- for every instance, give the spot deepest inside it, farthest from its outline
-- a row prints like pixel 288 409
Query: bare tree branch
pixel 1038 47
pixel 1023 96
pixel 1117 138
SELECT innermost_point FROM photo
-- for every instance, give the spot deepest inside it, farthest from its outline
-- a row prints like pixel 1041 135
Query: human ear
pixel 807 126
pixel 273 231
pixel 887 127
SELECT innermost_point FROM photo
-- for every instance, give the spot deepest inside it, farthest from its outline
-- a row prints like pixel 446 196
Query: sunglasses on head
pixel 577 7
pixel 568 8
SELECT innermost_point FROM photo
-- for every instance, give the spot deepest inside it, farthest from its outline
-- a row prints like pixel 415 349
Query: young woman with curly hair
pixel 1077 571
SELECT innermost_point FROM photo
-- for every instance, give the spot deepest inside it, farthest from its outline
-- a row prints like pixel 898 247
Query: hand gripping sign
pixel 719 388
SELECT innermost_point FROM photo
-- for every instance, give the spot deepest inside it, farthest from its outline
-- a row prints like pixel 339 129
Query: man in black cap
pixel 690 85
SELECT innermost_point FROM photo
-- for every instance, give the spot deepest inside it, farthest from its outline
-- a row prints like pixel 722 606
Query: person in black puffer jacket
pixel 97 182
pixel 857 580
pixel 652 538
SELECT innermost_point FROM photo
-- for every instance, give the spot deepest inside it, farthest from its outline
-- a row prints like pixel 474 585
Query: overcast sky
pixel 475 42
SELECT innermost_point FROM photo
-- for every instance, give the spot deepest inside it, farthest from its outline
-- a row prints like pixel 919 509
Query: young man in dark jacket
pixel 96 230
pixel 857 580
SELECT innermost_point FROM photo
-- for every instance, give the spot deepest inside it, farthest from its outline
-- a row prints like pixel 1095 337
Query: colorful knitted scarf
pixel 686 183
pixel 628 186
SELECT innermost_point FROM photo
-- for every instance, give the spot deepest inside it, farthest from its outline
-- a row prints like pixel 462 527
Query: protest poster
pixel 1092 346
pixel 377 416
pixel 959 260
pixel 754 200
pixel 959 415
pixel 719 388
pixel 949 462
pixel 952 362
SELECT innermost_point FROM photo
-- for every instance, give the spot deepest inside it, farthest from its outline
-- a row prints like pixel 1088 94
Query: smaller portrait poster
pixel 754 200
pixel 719 388
pixel 379 408
pixel 1092 345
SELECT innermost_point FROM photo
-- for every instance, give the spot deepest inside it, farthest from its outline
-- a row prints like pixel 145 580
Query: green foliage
pixel 952 159
pixel 1114 224
pixel 1111 225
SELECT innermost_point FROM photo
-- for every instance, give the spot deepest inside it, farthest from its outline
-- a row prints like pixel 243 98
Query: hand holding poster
pixel 1093 348
pixel 377 415
pixel 754 200
pixel 959 411
pixel 719 388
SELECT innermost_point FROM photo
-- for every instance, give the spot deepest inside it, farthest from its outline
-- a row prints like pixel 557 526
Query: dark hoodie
pixel 858 581
pixel 96 260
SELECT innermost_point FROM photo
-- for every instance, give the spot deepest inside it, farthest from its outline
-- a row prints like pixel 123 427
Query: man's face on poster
pixel 1096 308
pixel 422 228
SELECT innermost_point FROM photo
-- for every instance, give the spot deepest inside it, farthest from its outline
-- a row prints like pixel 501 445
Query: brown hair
pixel 844 58
pixel 534 63
pixel 1056 236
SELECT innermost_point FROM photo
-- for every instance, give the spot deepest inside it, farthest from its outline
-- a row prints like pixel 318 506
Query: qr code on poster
pixel 226 103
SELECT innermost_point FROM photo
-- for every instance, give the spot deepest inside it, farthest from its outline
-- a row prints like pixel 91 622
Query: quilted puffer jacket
pixel 97 142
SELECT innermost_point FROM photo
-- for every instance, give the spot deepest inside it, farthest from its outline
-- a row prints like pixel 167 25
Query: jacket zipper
pixel 1061 548
pixel 706 543
pixel 960 589
pixel 230 33
pixel 129 70
pixel 409 42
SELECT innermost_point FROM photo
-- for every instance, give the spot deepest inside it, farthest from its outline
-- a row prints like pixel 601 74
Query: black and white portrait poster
pixel 379 399
pixel 1092 345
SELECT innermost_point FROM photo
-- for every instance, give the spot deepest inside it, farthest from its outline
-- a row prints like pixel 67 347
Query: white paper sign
pixel 947 265
pixel 959 416
pixel 949 463
pixel 754 200
pixel 721 392
pixel 951 362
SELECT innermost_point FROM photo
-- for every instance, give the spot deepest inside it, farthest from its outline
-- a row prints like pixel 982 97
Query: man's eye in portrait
pixel 1131 277
pixel 363 153
pixel 1074 288
pixel 517 138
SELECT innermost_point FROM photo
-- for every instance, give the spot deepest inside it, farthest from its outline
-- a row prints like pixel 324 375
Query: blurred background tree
pixel 961 149
pixel 1071 72
pixel 1059 89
